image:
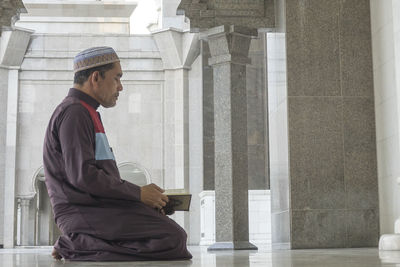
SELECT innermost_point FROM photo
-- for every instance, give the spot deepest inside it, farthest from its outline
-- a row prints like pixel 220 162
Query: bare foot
pixel 55 255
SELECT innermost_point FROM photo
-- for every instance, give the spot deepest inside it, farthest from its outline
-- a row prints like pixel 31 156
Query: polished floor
pixel 265 257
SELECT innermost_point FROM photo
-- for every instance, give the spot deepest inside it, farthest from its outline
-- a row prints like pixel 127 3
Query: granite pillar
pixel 229 47
pixel 208 119
pixel 257 118
pixel 257 130
pixel 333 192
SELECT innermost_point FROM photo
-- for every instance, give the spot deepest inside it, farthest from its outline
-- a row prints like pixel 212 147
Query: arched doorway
pixel 134 173
pixel 46 231
pixel 38 206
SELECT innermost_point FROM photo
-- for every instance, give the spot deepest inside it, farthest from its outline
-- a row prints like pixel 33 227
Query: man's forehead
pixel 117 69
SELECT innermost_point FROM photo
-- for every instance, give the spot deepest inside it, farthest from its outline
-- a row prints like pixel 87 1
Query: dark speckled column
pixel 208 119
pixel 331 125
pixel 229 47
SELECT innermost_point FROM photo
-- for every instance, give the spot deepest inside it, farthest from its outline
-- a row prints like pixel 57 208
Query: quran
pixel 179 200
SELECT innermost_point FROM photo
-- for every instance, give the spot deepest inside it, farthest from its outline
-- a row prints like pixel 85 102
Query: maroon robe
pixel 100 215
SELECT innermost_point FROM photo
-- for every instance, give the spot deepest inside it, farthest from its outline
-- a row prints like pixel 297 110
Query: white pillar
pixel 25 202
pixel 178 50
pixel 13 45
pixel 11 142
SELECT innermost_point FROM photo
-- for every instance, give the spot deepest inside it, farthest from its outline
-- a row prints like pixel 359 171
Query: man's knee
pixel 177 235
pixel 181 235
pixel 177 238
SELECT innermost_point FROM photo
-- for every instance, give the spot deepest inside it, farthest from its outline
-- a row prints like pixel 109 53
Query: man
pixel 101 216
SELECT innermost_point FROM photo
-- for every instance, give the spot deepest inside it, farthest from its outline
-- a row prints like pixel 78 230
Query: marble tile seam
pixel 386 138
pixel 380 28
pixel 380 63
pixel 342 126
pixel 280 212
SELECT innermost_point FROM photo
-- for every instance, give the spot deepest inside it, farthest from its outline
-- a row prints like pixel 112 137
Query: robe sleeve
pixel 77 139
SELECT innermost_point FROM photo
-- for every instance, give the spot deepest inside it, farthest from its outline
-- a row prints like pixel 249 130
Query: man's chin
pixel 109 105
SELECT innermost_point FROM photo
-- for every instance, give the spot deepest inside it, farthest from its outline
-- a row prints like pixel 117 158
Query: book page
pixel 176 192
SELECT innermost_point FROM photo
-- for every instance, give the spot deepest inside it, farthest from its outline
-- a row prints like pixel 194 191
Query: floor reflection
pixel 226 258
pixel 390 256
pixel 264 257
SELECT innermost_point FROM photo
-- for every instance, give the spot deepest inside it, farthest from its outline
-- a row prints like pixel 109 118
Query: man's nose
pixel 120 87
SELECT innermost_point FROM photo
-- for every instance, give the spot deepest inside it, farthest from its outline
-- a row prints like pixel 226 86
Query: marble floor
pixel 364 257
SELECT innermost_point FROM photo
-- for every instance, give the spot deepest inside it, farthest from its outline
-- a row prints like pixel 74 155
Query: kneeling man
pixel 101 216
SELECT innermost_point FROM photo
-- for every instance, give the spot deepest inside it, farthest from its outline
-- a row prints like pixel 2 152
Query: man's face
pixel 107 89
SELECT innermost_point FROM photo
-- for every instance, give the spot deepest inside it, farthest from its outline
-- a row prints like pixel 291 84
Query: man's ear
pixel 95 76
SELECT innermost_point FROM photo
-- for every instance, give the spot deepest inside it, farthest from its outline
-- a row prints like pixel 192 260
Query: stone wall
pixel 134 127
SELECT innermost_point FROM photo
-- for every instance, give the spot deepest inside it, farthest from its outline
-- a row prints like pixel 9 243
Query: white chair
pixel 134 173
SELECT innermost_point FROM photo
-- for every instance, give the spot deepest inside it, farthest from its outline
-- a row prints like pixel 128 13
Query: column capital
pixel 231 29
pixel 9 12
pixel 25 200
pixel 229 44
pixel 204 14
pixel 178 48
pixel 14 41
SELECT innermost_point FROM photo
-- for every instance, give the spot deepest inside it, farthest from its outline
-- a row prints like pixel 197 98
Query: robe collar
pixel 84 97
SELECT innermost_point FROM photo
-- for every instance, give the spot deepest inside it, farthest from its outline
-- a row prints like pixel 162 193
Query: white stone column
pixel 169 16
pixel 13 45
pixel 3 127
pixel 11 142
pixel 178 50
pixel 25 203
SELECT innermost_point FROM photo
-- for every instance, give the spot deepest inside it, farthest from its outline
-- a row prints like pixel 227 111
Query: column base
pixel 389 248
pixel 389 242
pixel 237 245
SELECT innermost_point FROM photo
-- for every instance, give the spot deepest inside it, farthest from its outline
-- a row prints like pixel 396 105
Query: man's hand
pixel 153 196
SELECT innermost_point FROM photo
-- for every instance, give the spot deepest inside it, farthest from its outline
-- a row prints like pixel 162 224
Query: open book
pixel 178 200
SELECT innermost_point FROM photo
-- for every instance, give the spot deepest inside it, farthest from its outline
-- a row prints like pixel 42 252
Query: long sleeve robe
pixel 100 215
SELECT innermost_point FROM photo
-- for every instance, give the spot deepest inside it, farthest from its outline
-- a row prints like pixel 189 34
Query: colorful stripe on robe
pixel 103 150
